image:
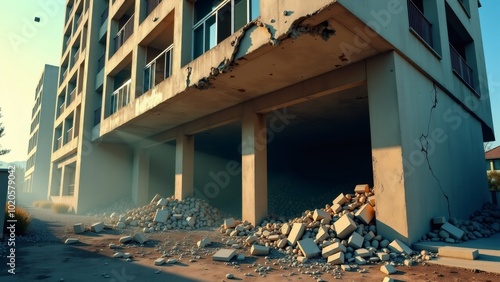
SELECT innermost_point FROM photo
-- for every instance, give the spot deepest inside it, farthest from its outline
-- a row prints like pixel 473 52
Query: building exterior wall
pixel 42 120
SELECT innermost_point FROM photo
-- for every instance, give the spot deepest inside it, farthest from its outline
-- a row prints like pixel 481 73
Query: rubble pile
pixel 483 223
pixel 163 214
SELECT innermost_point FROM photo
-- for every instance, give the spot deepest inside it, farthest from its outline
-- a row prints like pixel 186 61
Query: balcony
pixel 69 134
pixel 120 97
pixel 460 67
pixel 124 33
pixel 151 5
pixel 158 69
pixel 419 23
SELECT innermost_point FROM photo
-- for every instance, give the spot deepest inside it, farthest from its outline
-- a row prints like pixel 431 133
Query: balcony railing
pixel 97 116
pixel 104 15
pixel 419 23
pixel 158 69
pixel 151 5
pixel 100 62
pixel 120 97
pixel 69 135
pixel 461 68
pixel 124 33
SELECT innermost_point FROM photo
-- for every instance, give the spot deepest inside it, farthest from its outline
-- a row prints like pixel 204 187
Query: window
pixel 496 164
pixel 488 167
pixel 424 22
pixel 215 20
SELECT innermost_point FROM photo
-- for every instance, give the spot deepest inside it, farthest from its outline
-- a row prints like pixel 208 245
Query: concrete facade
pixel 36 178
pixel 247 101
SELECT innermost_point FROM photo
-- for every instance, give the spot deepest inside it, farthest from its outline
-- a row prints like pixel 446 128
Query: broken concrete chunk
pixel 296 233
pixel 161 216
pixel 70 241
pixel 78 228
pixel 346 267
pixel 383 256
pixel 118 255
pixel 439 220
pixel 388 269
pixel 224 255
pixel 140 238
pixel 359 260
pixel 309 248
pixel 161 202
pixel 285 229
pixel 388 279
pixel 371 200
pixel 281 243
pixel 274 237
pixel 344 226
pixel 160 261
pixel 120 225
pixel 454 231
pixel 97 227
pixel 322 233
pixel 333 249
pixel 337 258
pixel 321 214
pixel 251 239
pixel 190 221
pixel 302 259
pixel 362 253
pixel 126 239
pixel 400 247
pixel 258 250
pixel 366 213
pixel 361 188
pixel 229 223
pixel 178 216
pixel 204 242
pixel 356 240
pixel 460 253
pixel 340 200
pixel 171 261
pixel 155 199
pixel 336 208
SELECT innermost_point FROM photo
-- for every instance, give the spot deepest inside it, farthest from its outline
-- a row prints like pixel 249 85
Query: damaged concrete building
pixel 261 106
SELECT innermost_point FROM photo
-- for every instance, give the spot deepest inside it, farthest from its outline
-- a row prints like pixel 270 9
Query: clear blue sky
pixel 25 46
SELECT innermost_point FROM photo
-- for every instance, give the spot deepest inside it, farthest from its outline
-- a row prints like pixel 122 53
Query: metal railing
pixel 69 133
pixel 120 97
pixel 158 69
pixel 97 116
pixel 419 23
pixel 151 5
pixel 460 67
pixel 124 33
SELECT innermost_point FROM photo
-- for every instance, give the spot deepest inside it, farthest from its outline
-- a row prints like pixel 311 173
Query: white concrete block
pixel 70 241
pixel 251 239
pixel 97 227
pixel 281 243
pixel 120 225
pixel 361 188
pixel 439 220
pixel 461 253
pixel 160 261
pixel 178 216
pixel 161 216
pixel 337 258
pixel 224 255
pixel 322 234
pixel 359 260
pixel 383 256
pixel 191 221
pixel 372 201
pixel 336 208
pixel 364 253
pixel 296 233
pixel 302 259
pixel 285 229
pixel 400 247
pixel 356 240
pixel 321 214
pixel 346 267
pixel 340 200
pixel 388 269
pixel 204 242
pixel 365 213
pixel 332 249
pixel 309 248
pixel 140 238
pixel 454 231
pixel 258 250
pixel 126 239
pixel 229 223
pixel 369 236
pixel 388 279
pixel 161 202
pixel 274 237
pixel 344 226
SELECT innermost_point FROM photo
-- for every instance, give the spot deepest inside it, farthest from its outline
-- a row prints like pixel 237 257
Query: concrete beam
pixel 184 166
pixel 254 166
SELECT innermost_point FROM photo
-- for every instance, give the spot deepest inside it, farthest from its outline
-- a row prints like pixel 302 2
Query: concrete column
pixel 137 75
pixel 63 181
pixel 254 166
pixel 184 166
pixel 140 177
pixel 387 154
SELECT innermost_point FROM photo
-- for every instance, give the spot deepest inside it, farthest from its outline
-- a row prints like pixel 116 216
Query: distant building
pixel 36 180
pixel 493 159
pixel 263 106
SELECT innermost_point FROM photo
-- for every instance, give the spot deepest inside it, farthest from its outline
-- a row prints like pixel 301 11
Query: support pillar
pixel 140 177
pixel 184 166
pixel 254 167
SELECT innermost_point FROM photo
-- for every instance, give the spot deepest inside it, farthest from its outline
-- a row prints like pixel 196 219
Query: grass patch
pixel 42 204
pixel 60 208
pixel 23 221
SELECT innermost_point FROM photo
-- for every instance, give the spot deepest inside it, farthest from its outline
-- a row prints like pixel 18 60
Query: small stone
pixel 78 228
pixel 97 227
pixel 229 276
pixel 118 255
pixel 160 261
pixel 70 241
pixel 125 239
pixel 171 261
pixel 388 269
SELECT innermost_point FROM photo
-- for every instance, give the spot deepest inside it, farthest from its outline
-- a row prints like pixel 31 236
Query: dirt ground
pixel 43 256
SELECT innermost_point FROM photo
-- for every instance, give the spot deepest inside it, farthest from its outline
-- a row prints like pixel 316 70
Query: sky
pixel 26 46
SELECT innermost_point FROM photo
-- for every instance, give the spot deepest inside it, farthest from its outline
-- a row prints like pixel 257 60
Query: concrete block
pixel 296 233
pixel 258 250
pixel 309 248
pixel 251 239
pixel 171 261
pixel 204 242
pixel 439 220
pixel 126 239
pixel 336 208
pixel 78 228
pixel 356 240
pixel 346 267
pixel 361 188
pixel 454 231
pixel 362 253
pixel 240 257
pixel 140 238
pixel 285 229
pixel 365 213
pixel 155 199
pixel 191 221
pixel 274 237
pixel 344 226
pixel 161 202
pixel 120 225
pixel 322 233
pixel 97 227
pixel 320 214
pixel 224 255
pixel 281 243
pixel 160 261
pixel 461 253
pixel 229 223
pixel 161 216
pixel 369 236
pixel 333 249
pixel 302 259
pixel 337 258
pixel 118 255
pixel 371 200
pixel 388 269
pixel 383 256
pixel 178 216
pixel 359 260
pixel 400 247
pixel 340 200
pixel 388 279
pixel 70 241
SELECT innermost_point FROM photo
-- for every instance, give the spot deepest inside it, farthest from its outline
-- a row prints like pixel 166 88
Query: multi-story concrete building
pixel 493 159
pixel 262 106
pixel 36 178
